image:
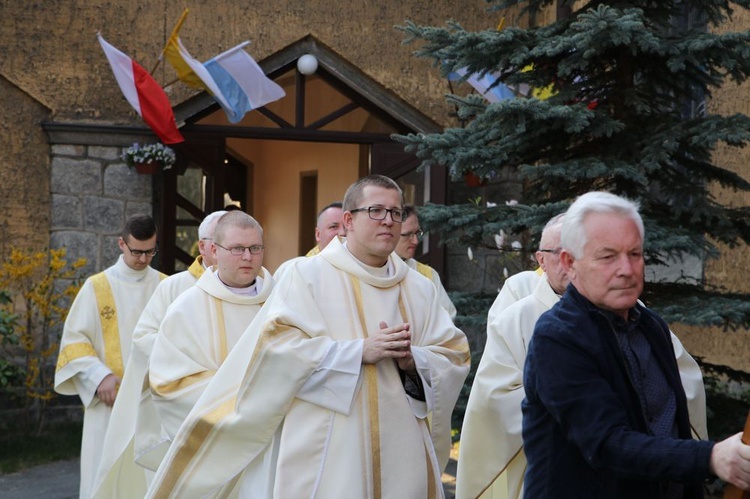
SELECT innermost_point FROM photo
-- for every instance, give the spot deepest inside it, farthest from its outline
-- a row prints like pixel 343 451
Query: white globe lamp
pixel 307 64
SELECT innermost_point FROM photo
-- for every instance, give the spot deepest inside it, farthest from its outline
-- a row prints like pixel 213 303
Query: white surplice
pixel 491 462
pixel 81 365
pixel 134 425
pixel 514 288
pixel 293 412
pixel 199 330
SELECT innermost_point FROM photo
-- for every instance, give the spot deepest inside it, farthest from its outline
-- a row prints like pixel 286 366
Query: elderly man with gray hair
pixel 605 413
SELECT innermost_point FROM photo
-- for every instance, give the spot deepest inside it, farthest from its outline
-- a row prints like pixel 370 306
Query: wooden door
pixel 194 187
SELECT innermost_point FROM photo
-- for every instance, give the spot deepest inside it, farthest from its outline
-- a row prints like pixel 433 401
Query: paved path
pixel 59 480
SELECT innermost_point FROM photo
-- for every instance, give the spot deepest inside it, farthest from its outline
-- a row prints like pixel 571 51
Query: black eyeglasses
pixel 418 233
pixel 255 249
pixel 139 253
pixel 379 213
pixel 555 251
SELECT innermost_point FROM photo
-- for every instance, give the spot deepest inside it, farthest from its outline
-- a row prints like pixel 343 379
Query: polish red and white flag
pixel 143 93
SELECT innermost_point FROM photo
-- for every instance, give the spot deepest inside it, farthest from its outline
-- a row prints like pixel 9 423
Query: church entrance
pixel 284 162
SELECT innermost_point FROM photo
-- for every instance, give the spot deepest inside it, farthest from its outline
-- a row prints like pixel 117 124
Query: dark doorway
pixel 308 202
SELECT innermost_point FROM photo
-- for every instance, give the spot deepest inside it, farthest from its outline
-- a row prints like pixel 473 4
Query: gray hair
pixel 205 228
pixel 235 218
pixel 554 223
pixel 574 237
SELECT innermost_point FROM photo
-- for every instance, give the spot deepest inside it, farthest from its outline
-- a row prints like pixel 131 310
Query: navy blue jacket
pixel 584 431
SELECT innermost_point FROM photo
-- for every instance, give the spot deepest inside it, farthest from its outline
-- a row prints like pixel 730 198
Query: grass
pixel 21 450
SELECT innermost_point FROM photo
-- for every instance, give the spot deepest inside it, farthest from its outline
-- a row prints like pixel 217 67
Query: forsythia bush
pixel 40 285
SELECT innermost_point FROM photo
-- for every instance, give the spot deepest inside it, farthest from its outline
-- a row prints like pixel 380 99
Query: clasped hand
pixel 389 343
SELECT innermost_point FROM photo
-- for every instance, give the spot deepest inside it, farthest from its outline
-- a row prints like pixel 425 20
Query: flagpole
pixel 237 47
pixel 169 84
pixel 174 34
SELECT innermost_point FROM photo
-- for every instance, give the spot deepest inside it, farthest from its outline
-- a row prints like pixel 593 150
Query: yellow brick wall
pixel 52 68
pixel 731 270
pixel 24 172
pixel 58 60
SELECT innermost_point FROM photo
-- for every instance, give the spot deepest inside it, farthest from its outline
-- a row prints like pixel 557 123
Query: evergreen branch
pixel 694 305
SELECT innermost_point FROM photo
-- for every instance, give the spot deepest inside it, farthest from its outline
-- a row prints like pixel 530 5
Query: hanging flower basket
pixel 148 168
pixel 149 159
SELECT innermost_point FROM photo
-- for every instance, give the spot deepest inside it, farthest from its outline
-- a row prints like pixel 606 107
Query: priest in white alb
pixel 97 335
pixel 515 287
pixel 328 391
pixel 205 322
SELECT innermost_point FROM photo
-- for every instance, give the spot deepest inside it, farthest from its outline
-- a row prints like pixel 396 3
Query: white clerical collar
pixel 127 273
pixel 251 290
pixel 384 271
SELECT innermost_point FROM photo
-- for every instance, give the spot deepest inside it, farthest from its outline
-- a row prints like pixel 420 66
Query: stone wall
pixel 93 192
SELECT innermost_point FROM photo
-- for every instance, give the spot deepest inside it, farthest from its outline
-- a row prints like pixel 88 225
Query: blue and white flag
pixel 242 82
pixel 190 70
pixel 234 79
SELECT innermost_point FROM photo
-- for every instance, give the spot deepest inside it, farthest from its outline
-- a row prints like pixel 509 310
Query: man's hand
pixel 730 461
pixel 389 343
pixel 107 389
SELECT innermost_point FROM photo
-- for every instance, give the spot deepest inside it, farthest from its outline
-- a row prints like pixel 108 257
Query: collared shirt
pixel 657 399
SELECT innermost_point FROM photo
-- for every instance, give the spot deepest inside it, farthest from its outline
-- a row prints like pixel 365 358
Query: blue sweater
pixel 584 432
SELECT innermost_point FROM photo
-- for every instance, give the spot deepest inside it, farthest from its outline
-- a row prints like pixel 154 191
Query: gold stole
pixel 196 268
pixel 105 303
pixel 108 314
pixel 425 270
pixel 222 332
pixel 371 381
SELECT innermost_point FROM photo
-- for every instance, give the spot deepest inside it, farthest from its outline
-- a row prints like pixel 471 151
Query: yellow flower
pixel 30 278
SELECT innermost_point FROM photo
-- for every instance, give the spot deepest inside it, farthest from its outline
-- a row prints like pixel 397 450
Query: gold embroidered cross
pixel 107 312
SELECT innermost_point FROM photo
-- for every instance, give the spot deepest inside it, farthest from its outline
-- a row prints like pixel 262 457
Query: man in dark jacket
pixel 605 414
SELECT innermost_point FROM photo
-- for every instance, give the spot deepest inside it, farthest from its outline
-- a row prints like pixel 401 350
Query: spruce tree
pixel 626 84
